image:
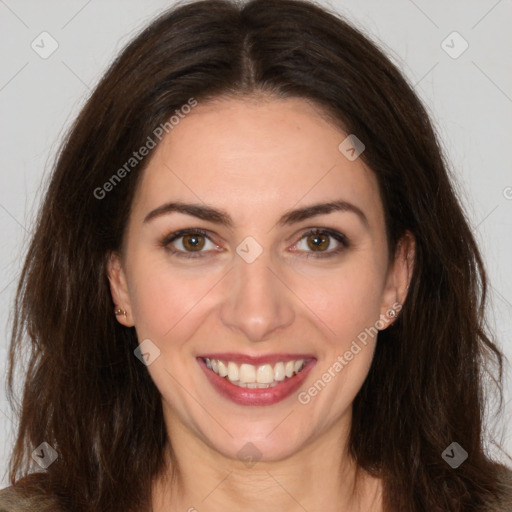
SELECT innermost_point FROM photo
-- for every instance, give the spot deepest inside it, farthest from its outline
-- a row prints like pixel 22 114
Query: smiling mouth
pixel 255 376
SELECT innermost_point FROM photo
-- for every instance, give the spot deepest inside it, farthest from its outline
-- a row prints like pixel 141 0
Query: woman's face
pixel 274 281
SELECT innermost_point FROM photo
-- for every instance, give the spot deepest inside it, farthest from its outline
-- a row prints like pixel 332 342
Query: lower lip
pixel 265 396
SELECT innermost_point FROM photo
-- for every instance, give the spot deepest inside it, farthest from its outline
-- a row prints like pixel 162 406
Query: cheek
pixel 349 306
pixel 347 300
pixel 157 299
pixel 164 298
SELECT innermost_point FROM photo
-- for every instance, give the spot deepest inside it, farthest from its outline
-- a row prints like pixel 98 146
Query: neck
pixel 321 476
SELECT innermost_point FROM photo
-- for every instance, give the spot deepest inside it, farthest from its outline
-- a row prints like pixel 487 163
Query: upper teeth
pixel 248 375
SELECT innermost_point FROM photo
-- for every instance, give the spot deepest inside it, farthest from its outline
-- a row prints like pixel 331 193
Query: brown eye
pixel 189 243
pixel 318 242
pixel 193 242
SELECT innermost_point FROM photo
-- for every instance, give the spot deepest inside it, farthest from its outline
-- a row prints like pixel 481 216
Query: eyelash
pixel 339 237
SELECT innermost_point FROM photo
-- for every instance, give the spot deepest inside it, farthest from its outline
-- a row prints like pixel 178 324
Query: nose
pixel 258 303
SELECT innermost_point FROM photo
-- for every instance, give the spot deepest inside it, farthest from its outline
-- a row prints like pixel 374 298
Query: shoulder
pixel 29 495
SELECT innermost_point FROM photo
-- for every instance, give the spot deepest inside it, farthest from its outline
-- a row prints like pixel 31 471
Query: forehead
pixel 253 155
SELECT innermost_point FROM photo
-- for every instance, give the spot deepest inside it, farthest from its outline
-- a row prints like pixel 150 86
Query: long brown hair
pixel 88 396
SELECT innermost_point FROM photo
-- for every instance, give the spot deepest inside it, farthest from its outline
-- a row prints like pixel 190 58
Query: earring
pixel 118 312
pixel 393 313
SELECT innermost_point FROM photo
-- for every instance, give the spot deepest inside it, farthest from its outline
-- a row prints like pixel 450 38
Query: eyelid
pixel 187 231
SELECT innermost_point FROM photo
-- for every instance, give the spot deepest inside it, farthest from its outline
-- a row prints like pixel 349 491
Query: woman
pixel 252 286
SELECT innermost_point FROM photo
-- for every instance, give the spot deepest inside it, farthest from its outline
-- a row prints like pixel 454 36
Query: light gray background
pixel 470 99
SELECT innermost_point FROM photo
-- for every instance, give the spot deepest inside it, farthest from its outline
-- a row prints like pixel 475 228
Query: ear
pixel 398 279
pixel 119 288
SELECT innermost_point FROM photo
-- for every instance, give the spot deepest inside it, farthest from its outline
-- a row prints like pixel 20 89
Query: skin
pixel 257 158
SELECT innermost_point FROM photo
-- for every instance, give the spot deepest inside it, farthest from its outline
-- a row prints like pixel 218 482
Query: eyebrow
pixel 221 217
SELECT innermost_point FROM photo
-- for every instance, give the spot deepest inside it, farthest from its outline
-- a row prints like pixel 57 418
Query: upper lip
pixel 256 360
